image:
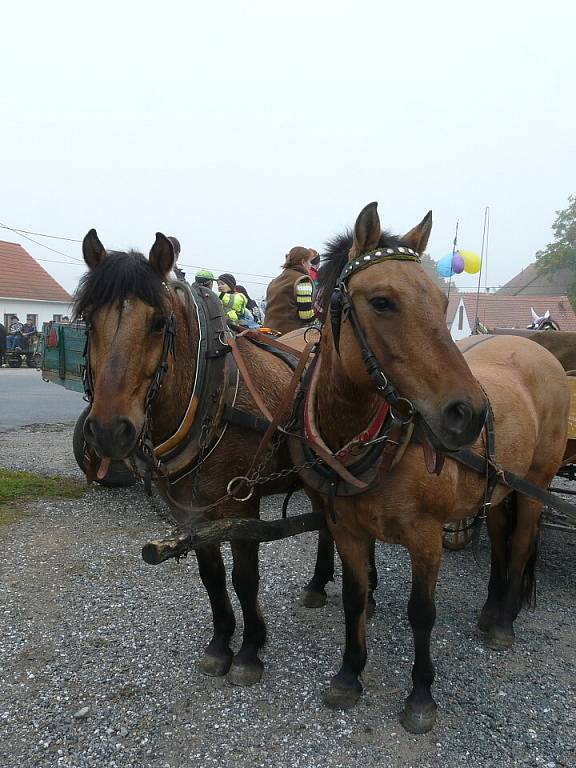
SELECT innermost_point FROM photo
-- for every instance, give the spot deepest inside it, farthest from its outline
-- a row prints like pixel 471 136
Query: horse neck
pixel 174 396
pixel 337 395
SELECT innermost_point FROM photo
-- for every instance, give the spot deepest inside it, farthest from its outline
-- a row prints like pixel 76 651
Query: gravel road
pixel 99 652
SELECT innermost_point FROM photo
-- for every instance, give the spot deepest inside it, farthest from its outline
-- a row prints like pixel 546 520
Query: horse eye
pixel 382 304
pixel 158 324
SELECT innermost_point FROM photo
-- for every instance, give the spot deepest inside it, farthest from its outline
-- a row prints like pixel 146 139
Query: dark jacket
pixel 285 310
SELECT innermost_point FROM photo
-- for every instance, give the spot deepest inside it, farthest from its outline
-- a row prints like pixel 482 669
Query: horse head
pixel 402 315
pixel 131 311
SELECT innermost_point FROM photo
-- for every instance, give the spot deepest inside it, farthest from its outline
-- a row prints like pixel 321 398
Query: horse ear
pixel 92 249
pixel 547 314
pixel 366 230
pixel 162 255
pixel 535 317
pixel 417 238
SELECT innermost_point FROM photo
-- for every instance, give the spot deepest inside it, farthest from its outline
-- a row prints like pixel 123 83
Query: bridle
pixel 342 307
pixel 144 442
pixel 168 349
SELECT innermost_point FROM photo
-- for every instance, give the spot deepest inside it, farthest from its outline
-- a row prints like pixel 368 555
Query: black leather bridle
pixel 342 307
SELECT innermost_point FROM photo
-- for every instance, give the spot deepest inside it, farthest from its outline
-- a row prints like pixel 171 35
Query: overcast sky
pixel 247 128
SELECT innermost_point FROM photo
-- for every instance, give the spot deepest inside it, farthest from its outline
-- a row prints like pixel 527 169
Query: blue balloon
pixel 444 266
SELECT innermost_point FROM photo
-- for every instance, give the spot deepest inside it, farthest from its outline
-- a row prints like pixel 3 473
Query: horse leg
pixel 425 548
pixel 246 667
pixel 217 656
pixel 522 556
pixel 372 581
pixel 314 593
pixel 345 687
pixel 498 523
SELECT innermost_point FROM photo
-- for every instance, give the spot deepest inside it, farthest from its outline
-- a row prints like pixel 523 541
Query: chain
pixel 259 479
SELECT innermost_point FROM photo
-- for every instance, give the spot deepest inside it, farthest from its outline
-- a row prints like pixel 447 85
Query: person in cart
pixel 14 338
pixel 290 296
pixel 28 332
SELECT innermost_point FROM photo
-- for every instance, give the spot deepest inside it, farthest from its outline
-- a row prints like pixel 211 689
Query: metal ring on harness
pixel 406 405
pixel 239 479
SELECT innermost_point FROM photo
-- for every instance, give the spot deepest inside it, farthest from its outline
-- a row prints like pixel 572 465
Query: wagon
pixel 61 356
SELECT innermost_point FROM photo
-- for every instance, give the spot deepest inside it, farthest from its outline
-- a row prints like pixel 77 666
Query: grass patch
pixel 16 487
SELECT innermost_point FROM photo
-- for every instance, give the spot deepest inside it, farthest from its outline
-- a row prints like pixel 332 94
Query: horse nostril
pixel 124 434
pixel 458 417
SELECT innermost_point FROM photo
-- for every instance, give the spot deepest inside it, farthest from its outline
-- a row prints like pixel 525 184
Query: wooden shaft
pixel 214 532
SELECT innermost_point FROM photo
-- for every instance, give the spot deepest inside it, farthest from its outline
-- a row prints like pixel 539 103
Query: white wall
pixel 465 330
pixel 44 309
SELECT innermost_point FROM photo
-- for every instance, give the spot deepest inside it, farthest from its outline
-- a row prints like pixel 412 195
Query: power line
pixel 25 232
pixel 41 234
pixel 37 242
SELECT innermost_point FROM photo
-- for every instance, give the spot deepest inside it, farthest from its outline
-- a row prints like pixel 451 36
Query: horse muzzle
pixel 115 439
pixel 457 426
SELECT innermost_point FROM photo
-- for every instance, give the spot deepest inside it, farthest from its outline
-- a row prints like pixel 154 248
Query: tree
pixel 561 253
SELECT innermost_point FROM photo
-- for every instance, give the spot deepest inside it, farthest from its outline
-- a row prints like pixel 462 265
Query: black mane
pixel 334 259
pixel 118 277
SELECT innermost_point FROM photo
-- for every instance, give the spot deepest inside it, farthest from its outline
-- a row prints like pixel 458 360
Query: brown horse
pixel 131 309
pixel 401 316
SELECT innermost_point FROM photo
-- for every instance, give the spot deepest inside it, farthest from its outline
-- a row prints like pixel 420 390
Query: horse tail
pixel 529 577
pixel 528 585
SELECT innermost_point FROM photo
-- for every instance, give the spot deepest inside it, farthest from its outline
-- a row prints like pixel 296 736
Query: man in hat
pixel 289 297
pixel 178 273
pixel 204 277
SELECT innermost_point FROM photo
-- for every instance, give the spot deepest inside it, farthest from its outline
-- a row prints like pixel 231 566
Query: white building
pixel 27 290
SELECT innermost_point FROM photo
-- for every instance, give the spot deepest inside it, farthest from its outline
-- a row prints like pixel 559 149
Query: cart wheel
pixel 15 362
pixel 458 535
pixel 118 476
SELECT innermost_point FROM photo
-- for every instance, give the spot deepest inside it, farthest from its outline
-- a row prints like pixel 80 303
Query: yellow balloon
pixel 471 261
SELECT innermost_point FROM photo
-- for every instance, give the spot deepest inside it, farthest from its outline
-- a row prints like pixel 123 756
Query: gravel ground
pixel 99 652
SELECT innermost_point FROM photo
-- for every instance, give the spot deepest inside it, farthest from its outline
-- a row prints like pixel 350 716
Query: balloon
pixel 457 263
pixel 444 266
pixel 471 262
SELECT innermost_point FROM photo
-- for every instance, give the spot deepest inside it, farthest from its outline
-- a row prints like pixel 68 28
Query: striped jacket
pixel 289 301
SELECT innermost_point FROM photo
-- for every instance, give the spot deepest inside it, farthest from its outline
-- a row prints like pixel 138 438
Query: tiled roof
pixel 500 311
pixel 21 277
pixel 529 282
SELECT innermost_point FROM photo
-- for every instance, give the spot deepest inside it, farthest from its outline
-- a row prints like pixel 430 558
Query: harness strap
pixel 514 482
pixel 254 394
pixel 244 420
pixel 284 405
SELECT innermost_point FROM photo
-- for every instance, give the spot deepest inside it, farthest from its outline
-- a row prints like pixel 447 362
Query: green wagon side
pixel 61 352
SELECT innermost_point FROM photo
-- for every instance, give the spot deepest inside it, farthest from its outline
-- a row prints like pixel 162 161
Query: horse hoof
pixel 486 621
pixel 246 674
pixel 370 607
pixel 215 666
pixel 500 640
pixel 341 697
pixel 310 599
pixel 418 721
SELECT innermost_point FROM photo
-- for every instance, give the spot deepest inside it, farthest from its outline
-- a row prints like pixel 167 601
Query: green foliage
pixel 561 253
pixel 16 487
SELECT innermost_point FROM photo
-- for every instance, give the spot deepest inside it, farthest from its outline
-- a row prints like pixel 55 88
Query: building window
pixel 460 318
pixel 56 318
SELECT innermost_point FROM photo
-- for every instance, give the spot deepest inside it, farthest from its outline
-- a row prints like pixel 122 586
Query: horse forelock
pixel 118 278
pixel 334 259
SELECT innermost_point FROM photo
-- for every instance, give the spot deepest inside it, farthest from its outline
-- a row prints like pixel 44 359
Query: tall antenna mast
pixel 483 260
pixel 454 248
